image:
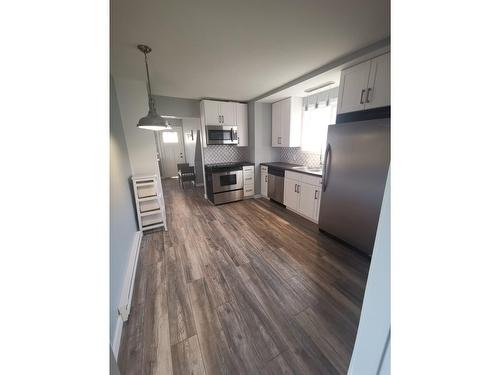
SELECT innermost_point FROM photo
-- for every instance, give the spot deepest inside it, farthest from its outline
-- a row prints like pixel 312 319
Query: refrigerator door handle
pixel 326 166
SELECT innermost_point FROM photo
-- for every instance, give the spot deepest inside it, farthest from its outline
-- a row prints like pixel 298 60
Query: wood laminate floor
pixel 242 288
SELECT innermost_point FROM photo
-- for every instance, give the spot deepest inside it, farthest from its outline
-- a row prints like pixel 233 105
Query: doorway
pixel 170 145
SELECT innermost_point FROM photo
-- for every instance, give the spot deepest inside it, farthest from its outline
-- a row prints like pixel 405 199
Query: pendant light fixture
pixel 152 121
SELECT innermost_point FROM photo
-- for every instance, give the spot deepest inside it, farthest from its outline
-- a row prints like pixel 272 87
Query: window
pixel 315 123
pixel 169 137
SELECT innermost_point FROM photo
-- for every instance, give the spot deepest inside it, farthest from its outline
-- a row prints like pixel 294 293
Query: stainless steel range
pixel 224 182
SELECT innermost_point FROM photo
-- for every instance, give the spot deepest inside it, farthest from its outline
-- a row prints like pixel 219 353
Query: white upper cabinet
pixel 242 124
pixel 365 86
pixel 353 86
pixel 286 122
pixel 219 113
pixel 228 113
pixel 276 125
pixel 378 93
pixel 211 110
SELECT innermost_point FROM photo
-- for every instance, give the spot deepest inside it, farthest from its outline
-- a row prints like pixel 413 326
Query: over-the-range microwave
pixel 222 135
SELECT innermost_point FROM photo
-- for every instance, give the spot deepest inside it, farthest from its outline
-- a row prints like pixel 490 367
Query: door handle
pixel 368 95
pixel 298 189
pixel 266 178
pixel 295 189
pixel 326 166
pixel 361 99
pixel 315 194
pixel 222 118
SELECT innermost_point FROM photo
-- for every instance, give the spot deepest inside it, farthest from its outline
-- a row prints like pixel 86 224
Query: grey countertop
pixel 295 168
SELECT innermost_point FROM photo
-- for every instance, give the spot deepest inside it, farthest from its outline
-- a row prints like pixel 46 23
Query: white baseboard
pixel 118 336
pixel 127 292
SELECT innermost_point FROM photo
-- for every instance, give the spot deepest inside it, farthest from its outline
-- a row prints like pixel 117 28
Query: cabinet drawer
pixel 293 175
pixel 248 191
pixel 247 168
pixel 248 181
pixel 312 180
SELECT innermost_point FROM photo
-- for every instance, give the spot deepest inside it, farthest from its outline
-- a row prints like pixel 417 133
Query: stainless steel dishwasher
pixel 275 184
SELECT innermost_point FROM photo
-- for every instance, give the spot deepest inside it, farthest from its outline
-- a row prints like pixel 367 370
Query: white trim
pixel 118 335
pixel 127 291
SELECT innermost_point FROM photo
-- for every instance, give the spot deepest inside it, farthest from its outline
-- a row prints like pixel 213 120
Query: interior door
pixel 228 113
pixel 353 87
pixel 379 85
pixel 171 149
pixel 212 115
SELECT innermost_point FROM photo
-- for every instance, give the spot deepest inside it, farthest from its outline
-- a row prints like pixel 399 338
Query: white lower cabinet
pixel 248 181
pixel 263 181
pixel 291 197
pixel 307 203
pixel 303 194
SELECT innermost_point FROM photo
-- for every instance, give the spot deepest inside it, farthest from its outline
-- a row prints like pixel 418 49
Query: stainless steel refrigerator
pixel 356 161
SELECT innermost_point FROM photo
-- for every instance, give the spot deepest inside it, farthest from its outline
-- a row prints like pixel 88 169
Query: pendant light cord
pixel 150 96
pixel 147 73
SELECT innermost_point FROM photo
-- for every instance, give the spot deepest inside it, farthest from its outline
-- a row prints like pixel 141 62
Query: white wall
pixel 133 102
pixel 179 107
pixel 371 352
pixel 122 226
pixel 259 134
pixel 189 124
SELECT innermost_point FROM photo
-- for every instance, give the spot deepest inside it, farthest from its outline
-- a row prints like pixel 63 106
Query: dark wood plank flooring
pixel 243 288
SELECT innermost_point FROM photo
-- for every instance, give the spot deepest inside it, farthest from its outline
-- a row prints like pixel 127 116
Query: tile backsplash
pixel 295 155
pixel 225 154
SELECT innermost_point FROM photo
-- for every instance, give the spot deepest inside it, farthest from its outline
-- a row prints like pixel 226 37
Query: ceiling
pixel 234 49
pixel 299 90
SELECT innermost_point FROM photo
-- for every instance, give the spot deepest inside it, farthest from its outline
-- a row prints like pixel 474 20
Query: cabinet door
pixel 307 201
pixel 242 124
pixel 379 84
pixel 212 116
pixel 263 184
pixel 228 113
pixel 294 128
pixel 291 198
pixel 276 125
pixel 353 87
pixel 285 111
